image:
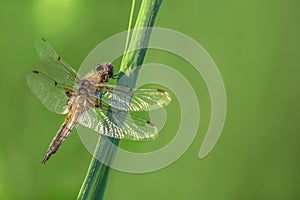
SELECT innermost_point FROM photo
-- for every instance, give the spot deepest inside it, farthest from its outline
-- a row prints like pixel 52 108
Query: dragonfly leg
pixel 98 105
pixel 115 76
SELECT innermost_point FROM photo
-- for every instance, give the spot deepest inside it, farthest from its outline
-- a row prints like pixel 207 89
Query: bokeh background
pixel 256 47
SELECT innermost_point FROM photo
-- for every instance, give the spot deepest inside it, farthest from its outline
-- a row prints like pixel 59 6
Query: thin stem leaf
pixel 96 179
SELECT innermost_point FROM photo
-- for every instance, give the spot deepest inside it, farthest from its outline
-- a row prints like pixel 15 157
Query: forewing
pixel 49 92
pixel 124 98
pixel 56 67
pixel 118 124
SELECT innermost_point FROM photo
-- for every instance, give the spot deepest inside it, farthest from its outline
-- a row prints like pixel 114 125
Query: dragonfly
pixel 91 101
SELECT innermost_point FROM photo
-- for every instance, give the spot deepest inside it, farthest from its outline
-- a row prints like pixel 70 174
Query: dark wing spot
pixel 43 39
pixel 68 94
pixel 150 123
pixel 160 90
pixel 55 83
pixel 36 72
pixel 58 58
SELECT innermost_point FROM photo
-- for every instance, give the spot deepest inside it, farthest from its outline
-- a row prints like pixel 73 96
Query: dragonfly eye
pixel 110 70
pixel 101 67
pixel 105 67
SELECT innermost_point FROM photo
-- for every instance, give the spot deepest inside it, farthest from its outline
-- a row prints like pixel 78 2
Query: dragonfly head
pixel 106 70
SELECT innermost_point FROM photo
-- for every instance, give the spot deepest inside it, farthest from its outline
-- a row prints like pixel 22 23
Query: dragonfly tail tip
pixel 45 159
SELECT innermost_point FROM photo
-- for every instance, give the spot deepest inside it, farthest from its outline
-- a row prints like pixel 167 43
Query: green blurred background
pixel 256 47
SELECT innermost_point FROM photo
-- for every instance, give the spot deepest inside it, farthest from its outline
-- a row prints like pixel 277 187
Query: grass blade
pixel 97 177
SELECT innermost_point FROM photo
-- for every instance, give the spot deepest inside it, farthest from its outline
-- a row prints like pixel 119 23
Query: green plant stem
pixel 96 179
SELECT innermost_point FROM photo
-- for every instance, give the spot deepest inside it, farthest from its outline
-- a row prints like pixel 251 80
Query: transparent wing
pixel 56 67
pixel 118 124
pixel 129 99
pixel 49 92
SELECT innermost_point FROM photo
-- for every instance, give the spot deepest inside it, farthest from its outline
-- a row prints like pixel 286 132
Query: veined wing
pixel 117 124
pixel 130 99
pixel 56 67
pixel 51 93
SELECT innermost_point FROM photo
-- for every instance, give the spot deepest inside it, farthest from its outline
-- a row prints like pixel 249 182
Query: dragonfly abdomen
pixel 62 134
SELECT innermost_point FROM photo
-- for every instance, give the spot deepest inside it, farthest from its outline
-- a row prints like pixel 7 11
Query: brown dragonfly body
pixel 80 101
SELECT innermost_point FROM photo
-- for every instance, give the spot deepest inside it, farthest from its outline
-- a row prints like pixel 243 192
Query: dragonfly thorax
pixel 83 91
pixel 84 88
pixel 85 84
